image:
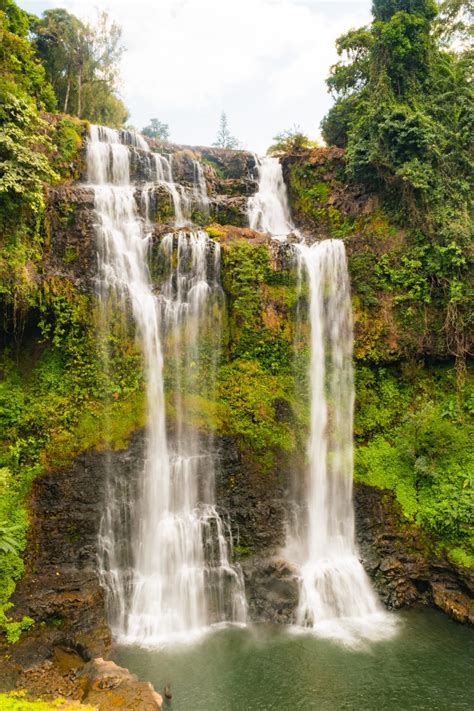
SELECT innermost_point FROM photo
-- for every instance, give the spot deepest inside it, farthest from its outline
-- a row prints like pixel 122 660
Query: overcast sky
pixel 263 62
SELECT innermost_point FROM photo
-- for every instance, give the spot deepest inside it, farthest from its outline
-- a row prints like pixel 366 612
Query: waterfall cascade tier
pixel 336 597
pixel 268 209
pixel 117 152
pixel 165 548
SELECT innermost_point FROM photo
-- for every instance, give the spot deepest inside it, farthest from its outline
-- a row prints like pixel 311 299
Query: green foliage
pixel 415 438
pixel 256 330
pixel 54 400
pixel 453 25
pixel 248 396
pixel 335 126
pixel 157 129
pixel 245 269
pixel 293 140
pixel 17 701
pixel 24 161
pixel 22 75
pixel 384 10
pixel 8 542
pixel 351 76
pixel 404 111
pixel 16 20
pixel 309 194
pixel 25 166
pixel 81 61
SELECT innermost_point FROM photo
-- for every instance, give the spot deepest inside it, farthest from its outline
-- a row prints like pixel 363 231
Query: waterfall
pixel 268 210
pixel 336 597
pixel 165 550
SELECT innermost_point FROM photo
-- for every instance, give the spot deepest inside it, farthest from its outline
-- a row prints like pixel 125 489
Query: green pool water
pixel 428 665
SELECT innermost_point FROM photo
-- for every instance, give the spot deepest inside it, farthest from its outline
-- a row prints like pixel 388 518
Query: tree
pixel 224 137
pixel 17 20
pixel 81 61
pixel 454 24
pixel 21 74
pixel 291 140
pixel 157 129
pixel 403 111
pixel 58 44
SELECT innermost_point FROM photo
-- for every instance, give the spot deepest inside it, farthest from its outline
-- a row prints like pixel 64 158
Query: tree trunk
pixel 68 90
pixel 79 94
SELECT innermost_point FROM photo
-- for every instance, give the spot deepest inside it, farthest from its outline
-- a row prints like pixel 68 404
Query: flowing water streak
pixel 183 575
pixel 200 188
pixel 164 558
pixel 160 168
pixel 268 210
pixel 336 597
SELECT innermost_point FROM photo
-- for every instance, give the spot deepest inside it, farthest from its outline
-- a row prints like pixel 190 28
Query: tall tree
pixel 82 61
pixel 157 129
pixel 58 44
pixel 224 137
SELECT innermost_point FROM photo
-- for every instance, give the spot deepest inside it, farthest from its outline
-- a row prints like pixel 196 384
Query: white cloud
pixel 263 61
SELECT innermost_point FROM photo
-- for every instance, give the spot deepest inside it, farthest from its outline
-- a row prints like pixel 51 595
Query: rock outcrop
pixel 107 686
pixel 400 560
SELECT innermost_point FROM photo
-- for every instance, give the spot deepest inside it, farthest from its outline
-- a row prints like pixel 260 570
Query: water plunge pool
pixel 427 665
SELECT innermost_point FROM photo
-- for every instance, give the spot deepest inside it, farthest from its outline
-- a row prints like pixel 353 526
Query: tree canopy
pixel 157 129
pixel 81 62
pixel 404 113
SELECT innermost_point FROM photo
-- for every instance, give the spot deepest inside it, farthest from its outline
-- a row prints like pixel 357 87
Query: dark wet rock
pixel 61 589
pixel 272 590
pixel 399 559
pixel 229 210
pixel 72 252
pixel 254 503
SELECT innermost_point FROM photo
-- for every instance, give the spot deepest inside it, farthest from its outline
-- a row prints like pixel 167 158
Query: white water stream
pixel 165 557
pixel 268 210
pixel 336 597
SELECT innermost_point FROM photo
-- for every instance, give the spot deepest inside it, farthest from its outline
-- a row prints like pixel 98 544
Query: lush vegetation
pixel 403 113
pixel 395 184
pixel 415 438
pixel 399 130
pixel 54 396
pixel 81 62
pixel 291 140
pixel 53 390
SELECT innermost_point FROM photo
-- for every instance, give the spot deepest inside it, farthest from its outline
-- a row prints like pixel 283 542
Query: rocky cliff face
pixel 260 431
pixel 397 557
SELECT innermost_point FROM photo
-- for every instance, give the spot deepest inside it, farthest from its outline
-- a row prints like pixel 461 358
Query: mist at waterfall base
pixel 426 667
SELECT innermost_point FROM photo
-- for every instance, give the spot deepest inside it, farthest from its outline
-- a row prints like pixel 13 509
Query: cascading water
pixel 165 555
pixel 336 597
pixel 268 210
pixel 200 188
